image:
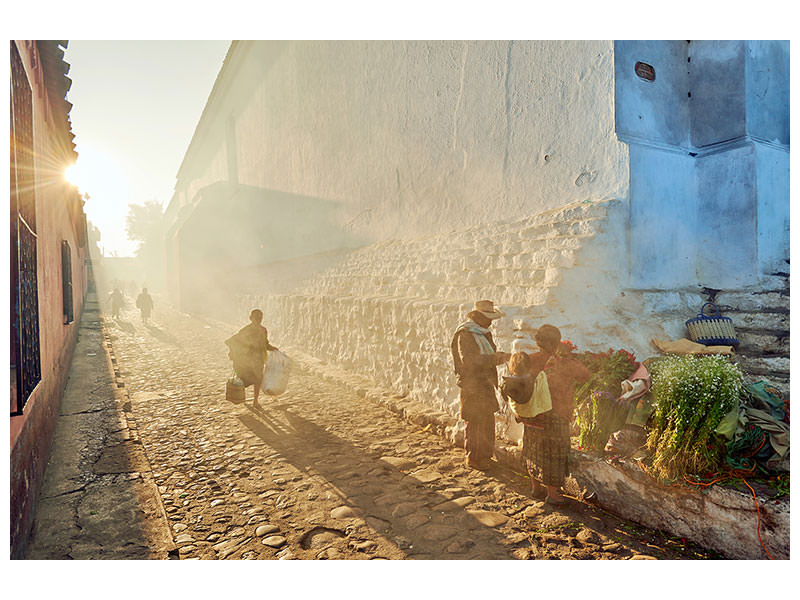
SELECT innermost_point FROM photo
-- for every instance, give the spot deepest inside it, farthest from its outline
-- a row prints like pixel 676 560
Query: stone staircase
pixel 761 320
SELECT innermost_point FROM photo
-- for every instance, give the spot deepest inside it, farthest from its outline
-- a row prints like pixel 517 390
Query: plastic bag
pixel 276 373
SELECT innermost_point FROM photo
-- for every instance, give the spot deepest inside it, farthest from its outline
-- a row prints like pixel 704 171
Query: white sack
pixel 276 373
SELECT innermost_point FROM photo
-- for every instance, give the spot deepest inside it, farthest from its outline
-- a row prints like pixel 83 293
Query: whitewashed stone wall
pixel 387 311
pixel 414 138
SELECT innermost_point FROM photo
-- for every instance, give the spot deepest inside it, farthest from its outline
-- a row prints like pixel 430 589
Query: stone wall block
pixel 552 277
pixel 534 232
pixel 536 296
pixel 517 278
pixel 565 242
pixel 566 259
pixel 761 320
pixel 512 246
pixel 664 302
pixel 752 302
pixel 777 281
pixel 516 296
pixel 767 366
pixel 544 258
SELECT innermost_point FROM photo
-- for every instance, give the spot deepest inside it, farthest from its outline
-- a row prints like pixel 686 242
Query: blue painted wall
pixel 655 112
pixel 767 102
pixel 717 88
pixel 709 160
pixel 663 218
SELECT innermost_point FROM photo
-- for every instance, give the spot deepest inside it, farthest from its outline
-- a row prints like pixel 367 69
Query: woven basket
pixel 234 391
pixel 714 330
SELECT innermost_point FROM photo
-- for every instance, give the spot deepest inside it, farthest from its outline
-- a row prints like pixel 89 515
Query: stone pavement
pixel 98 500
pixel 324 473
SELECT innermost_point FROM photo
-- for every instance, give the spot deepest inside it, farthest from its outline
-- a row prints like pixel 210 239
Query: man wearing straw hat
pixel 475 358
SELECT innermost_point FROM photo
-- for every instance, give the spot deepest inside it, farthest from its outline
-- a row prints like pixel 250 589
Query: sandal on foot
pixel 552 502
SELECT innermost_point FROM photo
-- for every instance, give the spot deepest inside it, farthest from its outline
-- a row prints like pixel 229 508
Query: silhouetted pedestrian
pixel 117 301
pixel 248 351
pixel 144 302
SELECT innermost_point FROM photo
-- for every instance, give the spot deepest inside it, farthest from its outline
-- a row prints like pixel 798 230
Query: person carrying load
pixel 248 351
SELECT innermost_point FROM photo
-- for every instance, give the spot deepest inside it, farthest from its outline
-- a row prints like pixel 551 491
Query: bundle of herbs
pixel 599 413
pixel 691 395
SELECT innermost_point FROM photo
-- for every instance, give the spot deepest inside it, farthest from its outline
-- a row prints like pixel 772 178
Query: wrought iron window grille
pixel 66 282
pixel 25 294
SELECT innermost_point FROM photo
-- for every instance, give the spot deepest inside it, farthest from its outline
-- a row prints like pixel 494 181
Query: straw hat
pixel 488 309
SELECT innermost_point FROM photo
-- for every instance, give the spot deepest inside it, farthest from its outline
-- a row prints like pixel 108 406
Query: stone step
pixel 761 342
pixel 751 302
pixel 759 321
pixel 764 365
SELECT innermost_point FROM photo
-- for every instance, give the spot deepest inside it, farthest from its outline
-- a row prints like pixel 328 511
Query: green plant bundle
pixel 691 395
pixel 598 412
pixel 598 418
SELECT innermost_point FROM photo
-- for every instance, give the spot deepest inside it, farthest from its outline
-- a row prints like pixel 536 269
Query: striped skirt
pixel 546 450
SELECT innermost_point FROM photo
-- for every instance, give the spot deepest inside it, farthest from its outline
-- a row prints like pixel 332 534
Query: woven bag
pixel 714 330
pixel 234 390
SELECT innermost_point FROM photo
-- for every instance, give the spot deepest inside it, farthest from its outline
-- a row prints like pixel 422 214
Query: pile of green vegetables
pixel 691 395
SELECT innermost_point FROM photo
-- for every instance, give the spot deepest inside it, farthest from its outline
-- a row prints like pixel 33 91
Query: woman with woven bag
pixel 248 351
pixel 545 441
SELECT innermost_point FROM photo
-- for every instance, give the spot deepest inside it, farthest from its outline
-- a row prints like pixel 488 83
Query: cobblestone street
pixel 321 472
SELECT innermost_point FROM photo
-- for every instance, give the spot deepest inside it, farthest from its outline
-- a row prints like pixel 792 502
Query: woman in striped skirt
pixel 545 441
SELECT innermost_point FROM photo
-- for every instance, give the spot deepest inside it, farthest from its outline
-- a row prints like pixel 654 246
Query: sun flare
pixel 71 175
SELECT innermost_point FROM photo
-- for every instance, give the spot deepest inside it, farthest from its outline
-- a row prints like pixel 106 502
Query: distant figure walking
pixel 117 302
pixel 248 351
pixel 545 441
pixel 475 359
pixel 144 302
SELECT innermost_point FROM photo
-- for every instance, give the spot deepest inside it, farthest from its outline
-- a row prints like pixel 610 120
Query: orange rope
pixel 758 527
pixel 760 446
pixel 702 483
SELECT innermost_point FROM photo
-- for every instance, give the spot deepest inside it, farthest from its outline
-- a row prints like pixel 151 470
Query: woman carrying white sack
pixel 248 351
pixel 276 373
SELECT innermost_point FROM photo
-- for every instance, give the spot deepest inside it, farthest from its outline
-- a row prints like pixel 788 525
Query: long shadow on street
pixel 418 519
pixel 162 335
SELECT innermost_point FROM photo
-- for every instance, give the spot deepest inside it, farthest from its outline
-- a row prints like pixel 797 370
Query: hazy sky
pixel 135 108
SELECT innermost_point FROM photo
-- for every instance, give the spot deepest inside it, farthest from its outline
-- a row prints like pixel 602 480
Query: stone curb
pixel 125 412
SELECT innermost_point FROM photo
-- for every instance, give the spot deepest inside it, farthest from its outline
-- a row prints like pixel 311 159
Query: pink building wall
pixel 59 217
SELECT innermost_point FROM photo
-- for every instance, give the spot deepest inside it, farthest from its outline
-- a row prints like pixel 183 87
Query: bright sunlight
pixel 71 175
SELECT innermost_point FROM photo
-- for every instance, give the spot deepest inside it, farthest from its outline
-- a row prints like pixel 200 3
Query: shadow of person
pixel 161 335
pixel 417 518
pixel 125 325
